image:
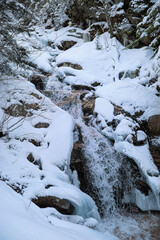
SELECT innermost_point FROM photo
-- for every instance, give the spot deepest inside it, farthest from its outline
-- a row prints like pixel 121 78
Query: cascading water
pixel 103 163
pixel 108 176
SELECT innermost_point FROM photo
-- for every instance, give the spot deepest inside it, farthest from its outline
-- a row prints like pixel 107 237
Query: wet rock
pixel 62 205
pixel 72 65
pixel 42 125
pixel 153 173
pixel 88 106
pixel 66 45
pixel 155 152
pixel 82 87
pixel 77 162
pixel 152 81
pixel 154 125
pixel 1 134
pixel 35 162
pixel 158 88
pixel 143 187
pixel 38 81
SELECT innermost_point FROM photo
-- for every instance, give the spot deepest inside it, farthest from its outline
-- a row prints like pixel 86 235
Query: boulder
pixel 23 109
pixel 37 80
pixel 66 45
pixel 82 87
pixel 88 106
pixel 62 205
pixel 72 65
pixel 154 125
pixel 42 125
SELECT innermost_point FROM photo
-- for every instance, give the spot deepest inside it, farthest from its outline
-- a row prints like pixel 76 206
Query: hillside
pixel 80 120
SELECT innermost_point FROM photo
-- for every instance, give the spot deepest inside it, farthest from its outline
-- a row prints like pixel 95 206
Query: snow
pixel 21 219
pixel 132 97
pixel 141 136
pixel 52 153
pixel 105 108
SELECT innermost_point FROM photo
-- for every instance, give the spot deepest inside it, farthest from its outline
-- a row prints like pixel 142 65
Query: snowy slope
pixel 50 147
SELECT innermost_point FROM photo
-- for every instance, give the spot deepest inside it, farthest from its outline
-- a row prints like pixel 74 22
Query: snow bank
pixel 132 97
pixel 21 219
pixel 36 150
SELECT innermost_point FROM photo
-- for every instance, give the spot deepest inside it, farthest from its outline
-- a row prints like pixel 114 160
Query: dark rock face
pixel 154 125
pixel 66 45
pixel 62 205
pixel 143 187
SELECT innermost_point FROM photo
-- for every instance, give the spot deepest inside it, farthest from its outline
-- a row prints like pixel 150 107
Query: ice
pixel 21 219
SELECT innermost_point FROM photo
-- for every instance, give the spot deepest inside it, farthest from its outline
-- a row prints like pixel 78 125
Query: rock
pixel 88 106
pixel 17 110
pixel 85 12
pixel 37 80
pixel 62 205
pixel 118 110
pixel 129 74
pixel 35 142
pixel 72 65
pixel 66 45
pixel 82 87
pixel 42 125
pixel 143 187
pixel 152 81
pixel 154 125
pixel 35 162
pixel 155 152
pixel 96 84
pixel 36 95
pixel 97 29
pixel 78 159
pixel 153 173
